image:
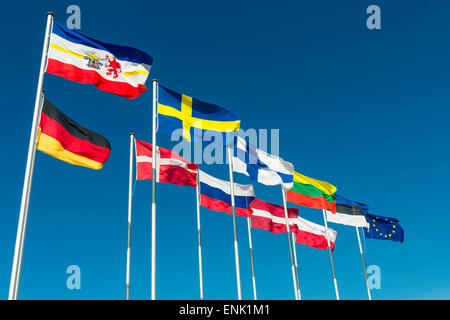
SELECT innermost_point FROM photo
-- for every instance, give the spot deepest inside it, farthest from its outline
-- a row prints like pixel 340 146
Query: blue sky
pixel 365 110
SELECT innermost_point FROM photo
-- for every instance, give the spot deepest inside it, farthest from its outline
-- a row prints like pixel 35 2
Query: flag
pixel 384 228
pixel 66 140
pixel 215 195
pixel 312 193
pixel 117 69
pixel 314 235
pixel 271 217
pixel 261 166
pixel 179 111
pixel 171 167
pixel 349 212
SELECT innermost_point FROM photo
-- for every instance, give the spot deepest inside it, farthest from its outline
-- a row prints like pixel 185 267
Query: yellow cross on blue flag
pixel 179 111
pixel 383 228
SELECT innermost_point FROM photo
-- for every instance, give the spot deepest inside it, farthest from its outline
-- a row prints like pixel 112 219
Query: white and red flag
pixel 314 235
pixel 170 167
pixel 271 217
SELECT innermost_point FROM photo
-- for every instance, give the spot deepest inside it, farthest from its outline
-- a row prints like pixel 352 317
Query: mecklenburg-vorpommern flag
pixel 117 69
pixel 179 111
pixel 349 212
pixel 312 193
pixel 66 140
pixel 383 228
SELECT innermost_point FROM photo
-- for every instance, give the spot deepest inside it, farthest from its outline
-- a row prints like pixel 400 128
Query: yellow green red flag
pixel 312 193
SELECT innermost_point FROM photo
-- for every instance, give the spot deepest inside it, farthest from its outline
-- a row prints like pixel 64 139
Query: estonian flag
pixel 66 140
pixel 349 212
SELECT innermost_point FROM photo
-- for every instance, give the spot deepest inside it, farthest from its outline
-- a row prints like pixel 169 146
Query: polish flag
pixel 271 217
pixel 170 167
pixel 314 235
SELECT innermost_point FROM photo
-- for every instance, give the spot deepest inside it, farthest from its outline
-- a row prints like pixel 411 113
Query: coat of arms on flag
pixel 117 69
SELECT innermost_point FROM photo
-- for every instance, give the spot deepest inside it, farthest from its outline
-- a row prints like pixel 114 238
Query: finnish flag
pixel 261 166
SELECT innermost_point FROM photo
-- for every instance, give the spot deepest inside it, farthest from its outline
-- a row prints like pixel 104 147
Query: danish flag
pixel 170 167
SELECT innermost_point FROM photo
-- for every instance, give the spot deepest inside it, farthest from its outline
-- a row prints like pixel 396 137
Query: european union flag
pixel 383 228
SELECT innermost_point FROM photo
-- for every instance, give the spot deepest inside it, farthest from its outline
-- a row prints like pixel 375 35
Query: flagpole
pixel 200 268
pixel 255 297
pixel 294 278
pixel 363 263
pixel 296 266
pixel 236 249
pixel 154 175
pixel 331 255
pixel 130 195
pixel 23 215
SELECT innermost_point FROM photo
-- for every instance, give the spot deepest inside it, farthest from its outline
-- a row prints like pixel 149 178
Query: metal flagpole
pixel 200 268
pixel 23 215
pixel 294 278
pixel 331 255
pixel 154 175
pixel 251 258
pixel 130 195
pixel 363 263
pixel 296 267
pixel 236 250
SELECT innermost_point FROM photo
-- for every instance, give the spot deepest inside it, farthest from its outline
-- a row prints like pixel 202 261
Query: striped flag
pixel 314 235
pixel 170 167
pixel 312 193
pixel 215 195
pixel 261 166
pixel 66 140
pixel 117 69
pixel 271 217
pixel 349 212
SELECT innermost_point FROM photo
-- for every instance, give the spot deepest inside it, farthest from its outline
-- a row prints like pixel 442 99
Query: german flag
pixel 66 140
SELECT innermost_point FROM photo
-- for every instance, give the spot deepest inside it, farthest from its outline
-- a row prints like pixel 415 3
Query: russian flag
pixel 117 69
pixel 215 194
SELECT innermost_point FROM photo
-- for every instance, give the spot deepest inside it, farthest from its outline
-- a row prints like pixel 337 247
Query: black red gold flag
pixel 66 140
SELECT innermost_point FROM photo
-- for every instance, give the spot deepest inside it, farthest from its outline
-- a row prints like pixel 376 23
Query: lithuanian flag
pixel 312 193
pixel 66 140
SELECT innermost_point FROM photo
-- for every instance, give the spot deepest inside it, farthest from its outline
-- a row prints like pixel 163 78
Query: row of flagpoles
pixel 291 241
pixel 123 71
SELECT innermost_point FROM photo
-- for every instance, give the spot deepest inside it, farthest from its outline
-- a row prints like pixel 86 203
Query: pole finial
pixel 131 134
pixel 50 14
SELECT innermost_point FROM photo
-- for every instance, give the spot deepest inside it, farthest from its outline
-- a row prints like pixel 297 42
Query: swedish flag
pixel 179 111
pixel 383 228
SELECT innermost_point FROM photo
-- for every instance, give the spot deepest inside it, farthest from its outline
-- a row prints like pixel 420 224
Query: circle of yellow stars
pixel 381 234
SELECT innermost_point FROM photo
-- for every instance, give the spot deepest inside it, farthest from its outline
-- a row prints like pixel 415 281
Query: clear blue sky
pixel 365 110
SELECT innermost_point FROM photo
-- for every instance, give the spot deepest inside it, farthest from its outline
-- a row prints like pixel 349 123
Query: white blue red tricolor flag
pixel 117 69
pixel 215 194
